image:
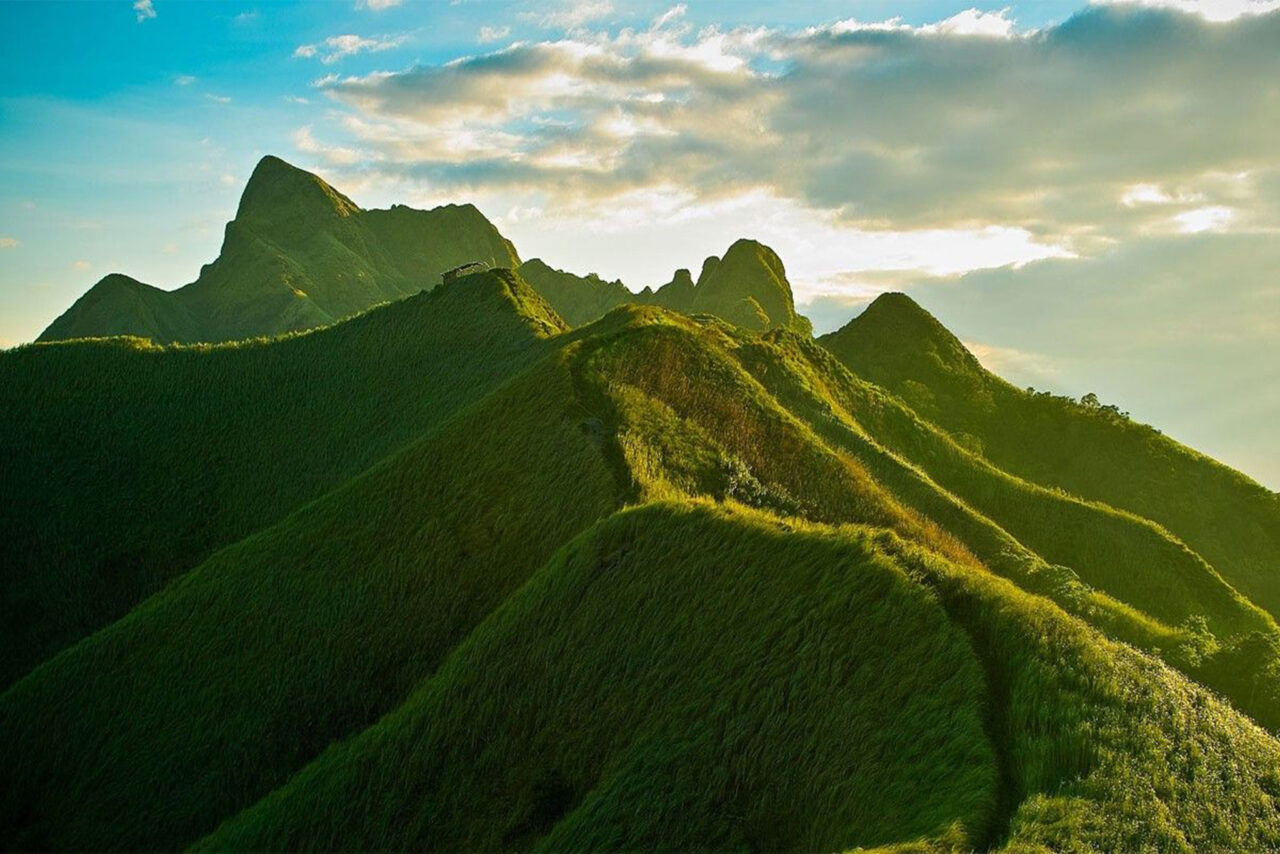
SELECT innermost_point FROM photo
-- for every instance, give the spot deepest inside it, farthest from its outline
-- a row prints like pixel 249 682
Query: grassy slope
pixel 1090 739
pixel 774 421
pixel 298 254
pixel 1118 571
pixel 127 464
pixel 698 678
pixel 215 690
pixel 1232 521
pixel 679 680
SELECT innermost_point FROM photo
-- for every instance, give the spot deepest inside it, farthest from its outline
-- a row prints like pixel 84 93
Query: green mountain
pixel 577 299
pixel 456 574
pixel 748 288
pixel 298 254
pixel 1087 449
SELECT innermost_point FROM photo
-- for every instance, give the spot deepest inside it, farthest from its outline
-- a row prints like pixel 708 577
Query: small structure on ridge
pixel 463 270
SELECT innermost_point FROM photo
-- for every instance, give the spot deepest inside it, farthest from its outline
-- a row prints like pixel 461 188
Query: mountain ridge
pixel 298 255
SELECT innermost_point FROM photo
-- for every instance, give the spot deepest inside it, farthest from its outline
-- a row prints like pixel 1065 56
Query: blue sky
pixel 1089 194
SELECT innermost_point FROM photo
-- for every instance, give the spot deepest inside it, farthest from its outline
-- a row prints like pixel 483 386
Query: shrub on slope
pixel 677 679
pixel 215 690
pixel 124 464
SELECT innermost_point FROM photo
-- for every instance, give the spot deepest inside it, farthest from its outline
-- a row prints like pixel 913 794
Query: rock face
pixel 298 254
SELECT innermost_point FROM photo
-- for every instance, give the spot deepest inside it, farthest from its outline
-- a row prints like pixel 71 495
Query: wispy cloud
pixel 246 17
pixel 334 155
pixel 9 243
pixel 572 15
pixel 81 266
pixel 336 48
pixel 493 34
pixel 377 5
pixel 183 80
pixel 144 10
pixel 218 99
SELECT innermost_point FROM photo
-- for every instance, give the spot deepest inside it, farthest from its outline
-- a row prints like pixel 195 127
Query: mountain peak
pixel 749 288
pixel 895 337
pixel 278 189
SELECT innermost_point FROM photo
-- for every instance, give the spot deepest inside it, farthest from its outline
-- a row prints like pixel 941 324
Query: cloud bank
pixel 1083 134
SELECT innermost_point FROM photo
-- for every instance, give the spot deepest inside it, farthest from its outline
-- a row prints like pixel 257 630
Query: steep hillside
pixel 1089 450
pixel 129 463
pixel 298 254
pixel 301 634
pixel 697 678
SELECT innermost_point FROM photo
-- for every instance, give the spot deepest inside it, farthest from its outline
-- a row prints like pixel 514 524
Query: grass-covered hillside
pixel 458 575
pixel 1086 448
pixel 129 463
pixel 298 254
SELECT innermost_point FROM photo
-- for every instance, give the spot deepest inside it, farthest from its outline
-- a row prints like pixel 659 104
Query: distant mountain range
pixel 532 561
pixel 299 254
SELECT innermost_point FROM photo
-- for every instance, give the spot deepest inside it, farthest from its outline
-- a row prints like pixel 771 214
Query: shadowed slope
pixel 1091 451
pixel 129 464
pixel 215 690
pixel 298 254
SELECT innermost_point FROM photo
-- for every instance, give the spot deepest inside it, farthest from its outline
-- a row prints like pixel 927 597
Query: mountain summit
pixel 748 288
pixel 299 254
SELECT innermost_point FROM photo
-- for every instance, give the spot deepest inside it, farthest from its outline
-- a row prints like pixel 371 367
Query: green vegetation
pixel 298 254
pixel 299 635
pixel 456 574
pixel 1086 449
pixel 130 463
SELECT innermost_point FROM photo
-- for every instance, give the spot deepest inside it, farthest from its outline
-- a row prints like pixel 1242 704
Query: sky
pixel 1086 192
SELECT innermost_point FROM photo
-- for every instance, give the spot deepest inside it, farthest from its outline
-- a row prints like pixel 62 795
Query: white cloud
pixel 80 266
pixel 377 5
pixel 183 80
pixel 218 99
pixel 246 17
pixel 1199 220
pixel 336 48
pixel 492 34
pixel 973 22
pixel 9 243
pixel 1210 10
pixel 144 10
